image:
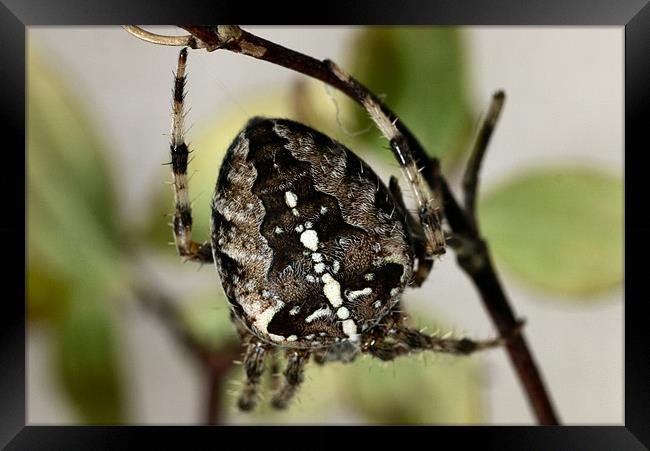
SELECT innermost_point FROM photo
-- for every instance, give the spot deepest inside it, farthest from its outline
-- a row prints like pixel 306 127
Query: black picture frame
pixel 633 15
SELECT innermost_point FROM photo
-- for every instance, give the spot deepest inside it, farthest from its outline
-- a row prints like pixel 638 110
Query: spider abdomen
pixel 310 245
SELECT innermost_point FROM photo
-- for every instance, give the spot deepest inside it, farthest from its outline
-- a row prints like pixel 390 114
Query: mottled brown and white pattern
pixel 342 244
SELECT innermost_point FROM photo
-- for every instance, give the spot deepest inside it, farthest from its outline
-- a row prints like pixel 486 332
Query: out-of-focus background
pixel 105 347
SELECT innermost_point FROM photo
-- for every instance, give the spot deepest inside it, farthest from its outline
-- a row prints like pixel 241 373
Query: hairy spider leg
pixel 419 241
pixel 397 339
pixel 179 153
pixel 429 206
pixel 256 351
pixel 293 377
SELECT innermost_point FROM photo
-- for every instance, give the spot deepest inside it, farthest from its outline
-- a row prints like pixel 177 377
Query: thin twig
pixel 470 179
pixel 219 363
pixel 474 257
pixel 179 41
pixel 212 411
pixel 163 307
pixel 473 254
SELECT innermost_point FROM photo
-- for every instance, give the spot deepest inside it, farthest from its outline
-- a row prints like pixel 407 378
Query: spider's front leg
pixel 293 377
pixel 429 205
pixel 179 154
pixel 391 339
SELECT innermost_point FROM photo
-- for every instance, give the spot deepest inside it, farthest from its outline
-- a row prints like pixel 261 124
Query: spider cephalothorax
pixel 313 250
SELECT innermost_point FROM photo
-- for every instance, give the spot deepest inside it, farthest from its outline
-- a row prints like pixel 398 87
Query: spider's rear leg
pixel 179 154
pixel 424 263
pixel 254 358
pixel 293 377
pixel 397 339
pixel 406 341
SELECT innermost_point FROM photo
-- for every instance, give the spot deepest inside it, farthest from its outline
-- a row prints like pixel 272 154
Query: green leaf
pixel 558 229
pixel 72 238
pixel 69 194
pixel 75 265
pixel 48 294
pixel 63 146
pixel 87 360
pixel 421 72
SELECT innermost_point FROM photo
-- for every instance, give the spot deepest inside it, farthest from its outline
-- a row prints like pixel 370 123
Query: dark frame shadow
pixel 634 15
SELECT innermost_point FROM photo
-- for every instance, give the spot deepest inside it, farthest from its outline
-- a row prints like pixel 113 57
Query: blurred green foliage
pixel 87 360
pixel 74 263
pixel 559 229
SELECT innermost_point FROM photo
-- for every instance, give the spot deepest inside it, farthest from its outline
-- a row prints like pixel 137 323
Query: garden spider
pixel 313 250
